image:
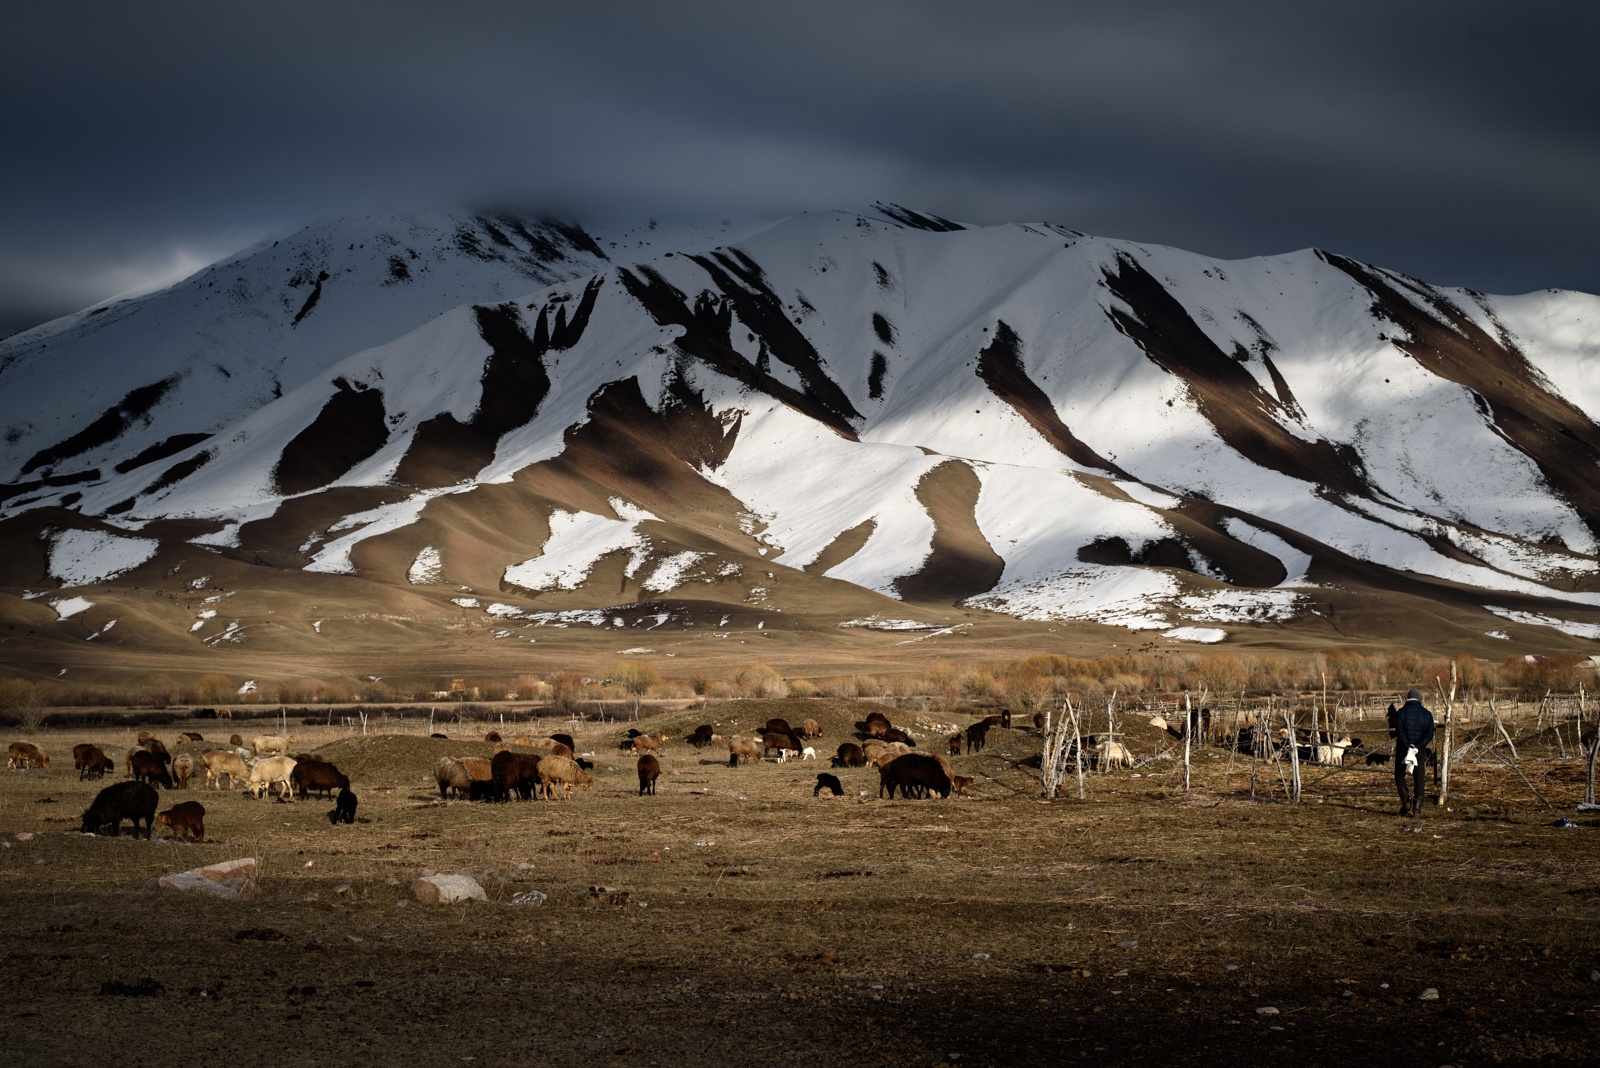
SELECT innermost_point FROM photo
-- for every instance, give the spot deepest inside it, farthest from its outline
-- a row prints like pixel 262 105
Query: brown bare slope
pixel 349 428
pixel 962 563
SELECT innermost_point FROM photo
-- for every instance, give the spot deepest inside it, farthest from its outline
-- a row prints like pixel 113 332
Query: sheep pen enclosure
pixel 734 918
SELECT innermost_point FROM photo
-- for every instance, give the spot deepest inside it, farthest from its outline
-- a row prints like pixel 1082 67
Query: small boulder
pixel 447 889
pixel 1430 994
pixel 231 880
pixel 530 897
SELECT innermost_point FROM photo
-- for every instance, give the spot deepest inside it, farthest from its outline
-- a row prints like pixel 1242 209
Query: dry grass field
pixel 741 921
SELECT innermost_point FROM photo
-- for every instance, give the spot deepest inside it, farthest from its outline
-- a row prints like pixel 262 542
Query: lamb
pixel 1108 753
pixel 134 801
pixel 269 773
pixel 23 755
pixel 186 819
pixel 344 809
pixel 451 774
pixel 220 762
pixel 743 750
pixel 563 772
pixel 649 772
pixel 955 744
pixel 147 767
pixel 849 755
pixel 1328 754
pixel 182 768
pixel 1377 758
pixel 829 783
pixel 959 783
pixel 808 753
pixel 267 744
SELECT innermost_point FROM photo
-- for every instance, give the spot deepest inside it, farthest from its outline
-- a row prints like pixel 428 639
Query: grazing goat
pixel 147 767
pixel 220 762
pixel 182 768
pixel 135 801
pixel 913 771
pixel 955 744
pixel 649 772
pixel 977 736
pixel 186 820
pixel 344 809
pixel 829 783
pixel 743 750
pixel 26 755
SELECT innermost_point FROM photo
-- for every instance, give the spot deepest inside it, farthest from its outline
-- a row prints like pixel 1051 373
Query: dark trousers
pixel 1418 776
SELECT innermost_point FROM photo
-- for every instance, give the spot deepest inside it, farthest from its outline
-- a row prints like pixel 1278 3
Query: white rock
pixel 447 889
pixel 1267 1010
pixel 529 897
pixel 1429 994
pixel 232 880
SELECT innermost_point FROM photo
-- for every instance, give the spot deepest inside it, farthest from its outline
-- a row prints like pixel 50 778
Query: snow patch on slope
pixel 577 542
pixel 84 557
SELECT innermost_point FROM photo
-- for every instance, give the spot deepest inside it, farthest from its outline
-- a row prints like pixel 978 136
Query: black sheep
pixel 344 809
pixel 828 782
pixel 128 800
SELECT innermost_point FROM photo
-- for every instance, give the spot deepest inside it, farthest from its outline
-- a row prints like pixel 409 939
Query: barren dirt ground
pixel 745 922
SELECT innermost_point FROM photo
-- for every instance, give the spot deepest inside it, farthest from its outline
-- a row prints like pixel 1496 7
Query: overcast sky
pixel 1457 141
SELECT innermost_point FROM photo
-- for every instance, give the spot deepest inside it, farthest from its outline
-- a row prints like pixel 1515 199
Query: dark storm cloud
pixel 1456 141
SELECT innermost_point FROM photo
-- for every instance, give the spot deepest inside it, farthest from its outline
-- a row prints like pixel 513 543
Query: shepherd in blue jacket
pixel 1413 730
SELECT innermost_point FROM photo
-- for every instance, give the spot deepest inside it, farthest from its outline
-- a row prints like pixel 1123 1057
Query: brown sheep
pixel 777 726
pixel 849 755
pixel 505 773
pixel 810 729
pixel 147 767
pixel 142 737
pixel 156 746
pixel 1038 721
pixel 26 755
pixel 782 744
pixel 187 820
pixel 875 725
pixel 977 736
pixel 235 740
pixel 220 762
pixel 191 736
pixel 479 768
pixel 564 772
pixel 895 734
pixel 880 753
pixel 645 743
pixel 743 750
pixel 649 772
pixel 959 783
pixel 314 774
pixel 95 764
pixel 912 772
pixel 566 740
pixel 551 747
pixel 182 768
pixel 701 736
pixel 492 736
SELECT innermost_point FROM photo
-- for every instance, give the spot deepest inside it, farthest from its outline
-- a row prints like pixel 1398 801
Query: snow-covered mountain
pixel 1022 419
